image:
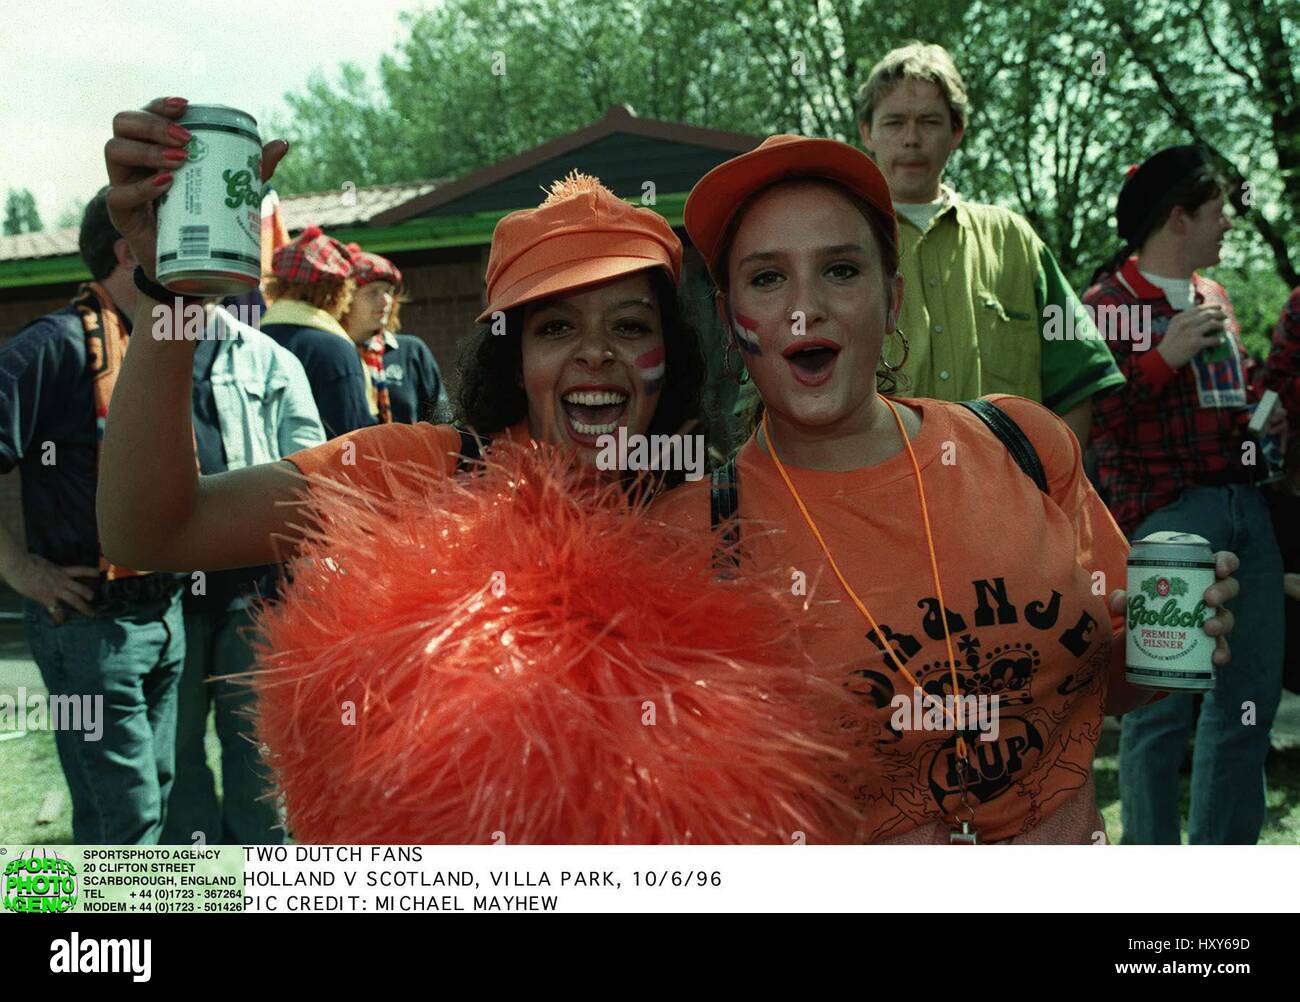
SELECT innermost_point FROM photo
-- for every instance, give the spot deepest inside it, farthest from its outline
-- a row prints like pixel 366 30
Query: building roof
pixel 615 148
pixel 329 209
pixel 626 152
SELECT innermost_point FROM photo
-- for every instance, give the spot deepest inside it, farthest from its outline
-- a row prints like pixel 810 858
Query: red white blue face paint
pixel 651 367
pixel 746 335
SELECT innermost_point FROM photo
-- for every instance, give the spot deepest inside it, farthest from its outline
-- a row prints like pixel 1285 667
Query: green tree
pixel 1224 73
pixel 476 81
pixel 71 214
pixel 20 212
pixel 1064 95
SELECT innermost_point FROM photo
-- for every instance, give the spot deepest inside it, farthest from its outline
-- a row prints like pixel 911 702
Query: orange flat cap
pixel 719 194
pixel 580 235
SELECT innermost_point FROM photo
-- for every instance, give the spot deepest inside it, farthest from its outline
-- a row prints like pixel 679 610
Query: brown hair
pixel 400 296
pixel 394 325
pixel 915 61
pixel 881 229
pixel 1189 198
pixel 333 295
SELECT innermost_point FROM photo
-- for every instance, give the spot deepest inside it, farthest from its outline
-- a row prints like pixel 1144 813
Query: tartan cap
pixel 367 268
pixel 313 257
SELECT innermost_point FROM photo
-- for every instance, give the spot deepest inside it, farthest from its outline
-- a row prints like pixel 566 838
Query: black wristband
pixel 160 292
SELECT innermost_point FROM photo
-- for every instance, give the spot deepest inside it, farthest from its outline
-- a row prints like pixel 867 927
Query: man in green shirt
pixel 986 308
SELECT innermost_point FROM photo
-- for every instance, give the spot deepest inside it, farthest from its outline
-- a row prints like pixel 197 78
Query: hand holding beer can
pixel 210 221
pixel 1166 644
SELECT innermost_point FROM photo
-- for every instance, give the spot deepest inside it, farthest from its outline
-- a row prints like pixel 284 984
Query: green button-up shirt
pixel 986 309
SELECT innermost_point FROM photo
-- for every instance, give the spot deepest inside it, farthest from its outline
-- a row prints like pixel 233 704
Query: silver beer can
pixel 1166 645
pixel 210 220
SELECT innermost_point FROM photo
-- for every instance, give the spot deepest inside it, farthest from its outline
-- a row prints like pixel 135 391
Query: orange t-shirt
pixel 1028 619
pixel 359 456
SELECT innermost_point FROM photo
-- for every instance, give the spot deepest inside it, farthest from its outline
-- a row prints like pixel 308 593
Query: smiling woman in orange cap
pixel 955 582
pixel 582 262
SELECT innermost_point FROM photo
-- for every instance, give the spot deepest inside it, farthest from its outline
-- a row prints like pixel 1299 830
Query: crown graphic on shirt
pixel 1005 671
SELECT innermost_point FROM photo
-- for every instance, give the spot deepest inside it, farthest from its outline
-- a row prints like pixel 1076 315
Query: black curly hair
pixel 490 399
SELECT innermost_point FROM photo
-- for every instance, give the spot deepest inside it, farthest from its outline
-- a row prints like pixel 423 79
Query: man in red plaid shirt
pixel 1173 454
pixel 1282 372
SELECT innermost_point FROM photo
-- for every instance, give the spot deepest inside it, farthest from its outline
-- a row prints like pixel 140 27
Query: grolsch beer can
pixel 210 220
pixel 1167 647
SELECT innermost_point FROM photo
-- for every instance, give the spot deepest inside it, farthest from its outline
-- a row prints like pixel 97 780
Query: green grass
pixel 30 767
pixel 1282 803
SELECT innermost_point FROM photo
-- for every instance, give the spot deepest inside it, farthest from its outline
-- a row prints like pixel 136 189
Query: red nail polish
pixel 178 133
pixel 176 155
pixel 176 102
pixel 161 179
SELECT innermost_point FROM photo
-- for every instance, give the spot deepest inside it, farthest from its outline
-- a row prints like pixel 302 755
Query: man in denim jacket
pixel 252 404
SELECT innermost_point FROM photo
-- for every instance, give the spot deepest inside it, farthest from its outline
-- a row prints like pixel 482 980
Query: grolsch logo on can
pixel 210 221
pixel 1167 646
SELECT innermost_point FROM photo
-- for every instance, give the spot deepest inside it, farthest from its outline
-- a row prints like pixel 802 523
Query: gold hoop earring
pixel 903 361
pixel 741 377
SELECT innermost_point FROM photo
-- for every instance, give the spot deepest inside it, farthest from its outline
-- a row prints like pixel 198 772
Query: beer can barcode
pixel 194 241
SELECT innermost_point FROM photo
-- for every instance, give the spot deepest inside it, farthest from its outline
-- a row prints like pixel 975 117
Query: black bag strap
pixel 1013 437
pixel 471 451
pixel 724 503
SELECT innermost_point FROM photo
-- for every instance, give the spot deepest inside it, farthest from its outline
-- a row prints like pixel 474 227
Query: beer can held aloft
pixel 210 221
pixel 1167 646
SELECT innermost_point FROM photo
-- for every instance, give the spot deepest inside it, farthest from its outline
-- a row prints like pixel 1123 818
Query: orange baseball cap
pixel 580 235
pixel 719 194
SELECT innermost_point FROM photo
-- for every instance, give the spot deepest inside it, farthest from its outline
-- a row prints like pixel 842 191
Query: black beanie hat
pixel 1148 189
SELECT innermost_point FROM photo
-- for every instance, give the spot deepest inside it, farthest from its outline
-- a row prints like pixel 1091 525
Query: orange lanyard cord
pixel 929 539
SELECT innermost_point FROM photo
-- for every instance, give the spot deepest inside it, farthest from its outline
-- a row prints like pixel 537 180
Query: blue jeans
pixel 131 656
pixel 1232 742
pixel 216 645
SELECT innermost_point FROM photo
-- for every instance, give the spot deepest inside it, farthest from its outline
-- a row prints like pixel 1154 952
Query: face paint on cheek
pixel 651 367
pixel 747 335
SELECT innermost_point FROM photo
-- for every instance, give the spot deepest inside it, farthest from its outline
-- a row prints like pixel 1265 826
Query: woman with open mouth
pixel 959 591
pixel 581 336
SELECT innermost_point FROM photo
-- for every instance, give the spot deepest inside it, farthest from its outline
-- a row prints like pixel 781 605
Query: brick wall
pixel 446 292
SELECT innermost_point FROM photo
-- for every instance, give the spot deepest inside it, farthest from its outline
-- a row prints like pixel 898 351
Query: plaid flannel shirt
pixel 1153 438
pixel 1282 371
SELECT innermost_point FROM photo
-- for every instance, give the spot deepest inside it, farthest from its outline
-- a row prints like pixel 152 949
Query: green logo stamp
pixel 40 884
pixel 240 185
pixel 1158 586
pixel 1165 591
pixel 197 150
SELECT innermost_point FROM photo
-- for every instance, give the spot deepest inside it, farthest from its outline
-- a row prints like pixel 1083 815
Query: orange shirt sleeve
pixel 359 456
